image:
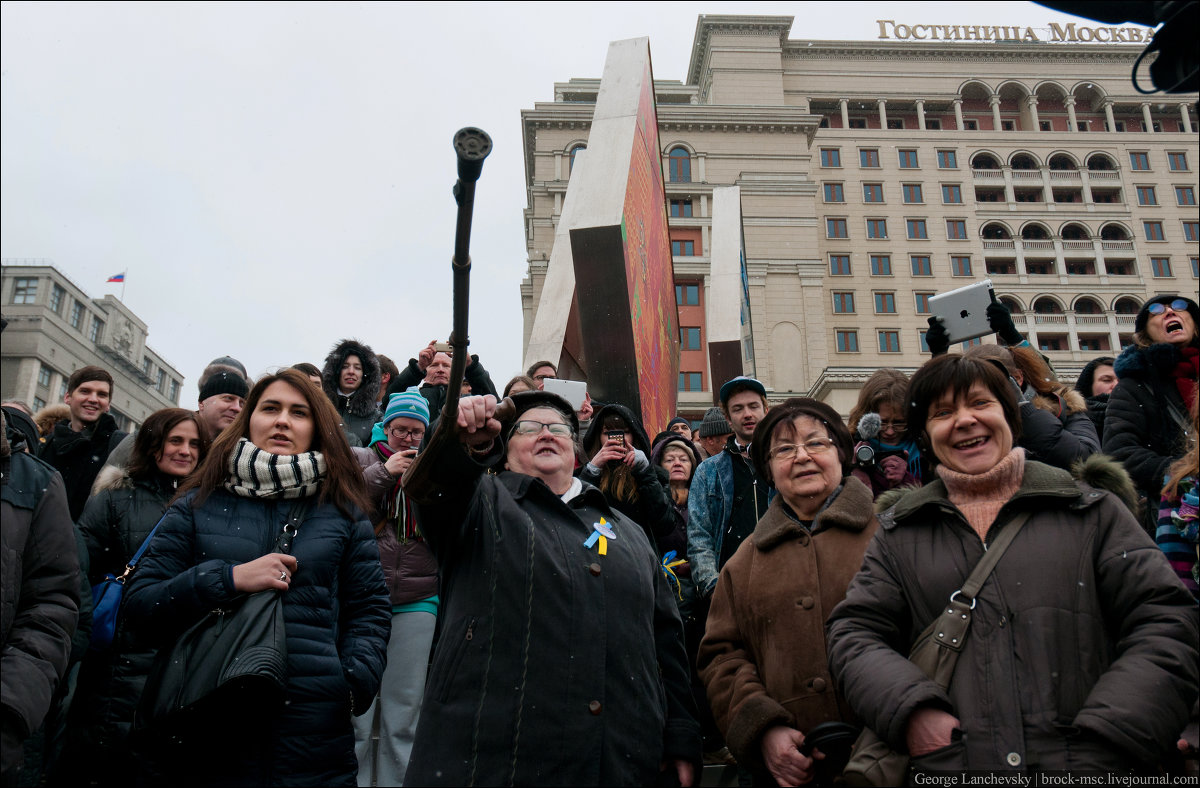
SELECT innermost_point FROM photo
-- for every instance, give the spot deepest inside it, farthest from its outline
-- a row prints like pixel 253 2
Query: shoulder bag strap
pixel 133 562
pixel 296 515
pixel 992 555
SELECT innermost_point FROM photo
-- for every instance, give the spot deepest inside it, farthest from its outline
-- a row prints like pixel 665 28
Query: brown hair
pixel 779 419
pixel 738 390
pixel 952 373
pixel 148 443
pixel 1189 463
pixel 343 484
pixel 524 379
pixel 538 364
pixel 307 369
pixel 885 387
pixel 90 374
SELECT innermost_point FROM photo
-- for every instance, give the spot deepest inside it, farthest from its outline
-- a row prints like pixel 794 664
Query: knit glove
pixel 1001 322
pixel 640 462
pixel 936 337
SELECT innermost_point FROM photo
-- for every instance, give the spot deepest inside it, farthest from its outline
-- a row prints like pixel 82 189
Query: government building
pixel 874 174
pixel 54 328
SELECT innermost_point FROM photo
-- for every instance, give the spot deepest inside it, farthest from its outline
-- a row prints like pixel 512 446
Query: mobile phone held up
pixel 616 436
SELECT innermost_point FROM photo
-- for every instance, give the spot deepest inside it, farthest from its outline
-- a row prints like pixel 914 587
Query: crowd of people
pixel 558 598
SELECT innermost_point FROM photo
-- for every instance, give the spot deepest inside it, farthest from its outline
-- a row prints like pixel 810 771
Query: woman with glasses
pixel 384 735
pixel 763 656
pixel 885 456
pixel 1146 424
pixel 561 658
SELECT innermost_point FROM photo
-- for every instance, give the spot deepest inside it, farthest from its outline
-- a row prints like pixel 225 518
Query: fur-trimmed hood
pixel 1061 403
pixel 112 477
pixel 1098 470
pixel 1143 363
pixel 362 401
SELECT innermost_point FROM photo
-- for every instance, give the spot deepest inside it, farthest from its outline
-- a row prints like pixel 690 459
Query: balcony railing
pixel 1091 319
pixel 1054 319
pixel 1117 246
pixel 987 175
pixel 1027 175
pixel 1065 175
pixel 1038 244
pixel 1078 245
pixel 999 244
pixel 1103 175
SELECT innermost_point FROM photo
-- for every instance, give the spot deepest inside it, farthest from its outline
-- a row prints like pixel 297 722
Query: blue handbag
pixel 106 599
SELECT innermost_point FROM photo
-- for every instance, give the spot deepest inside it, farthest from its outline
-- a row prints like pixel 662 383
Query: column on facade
pixel 1019 249
pixel 1031 103
pixel 1114 333
pixel 703 178
pixel 1101 264
pixel 1185 117
pixel 1069 103
pixel 1060 263
pixel 1047 186
pixel 958 118
pixel 921 113
pixel 994 100
pixel 1072 331
pixel 1009 196
pixel 1086 182
pixel 1147 121
pixel 844 106
pixel 882 104
pixel 1108 116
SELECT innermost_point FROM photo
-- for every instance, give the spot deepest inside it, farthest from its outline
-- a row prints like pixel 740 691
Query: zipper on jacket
pixel 471 630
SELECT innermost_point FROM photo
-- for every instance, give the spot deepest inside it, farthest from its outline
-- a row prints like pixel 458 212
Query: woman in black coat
pixel 125 506
pixel 217 544
pixel 1146 422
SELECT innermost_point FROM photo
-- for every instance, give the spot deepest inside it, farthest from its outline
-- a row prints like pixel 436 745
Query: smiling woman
pixel 1042 675
pixel 220 541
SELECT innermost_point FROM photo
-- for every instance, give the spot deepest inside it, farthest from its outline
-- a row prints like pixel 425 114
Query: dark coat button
pixel 807 603
pixel 594 569
pixel 594 707
pixel 818 685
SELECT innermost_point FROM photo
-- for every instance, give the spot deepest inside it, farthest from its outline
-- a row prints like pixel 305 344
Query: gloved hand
pixel 936 337
pixel 894 468
pixel 1000 320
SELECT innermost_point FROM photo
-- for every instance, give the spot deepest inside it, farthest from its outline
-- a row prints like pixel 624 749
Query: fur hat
pixel 362 400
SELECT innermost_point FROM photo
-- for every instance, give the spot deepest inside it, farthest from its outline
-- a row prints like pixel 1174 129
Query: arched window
pixel 1013 304
pixel 1126 306
pixel 995 232
pixel 985 161
pixel 1075 232
pixel 1024 161
pixel 1047 306
pixel 1034 232
pixel 1060 161
pixel 680 165
pixel 1087 306
pixel 576 149
pixel 1114 232
pixel 1100 163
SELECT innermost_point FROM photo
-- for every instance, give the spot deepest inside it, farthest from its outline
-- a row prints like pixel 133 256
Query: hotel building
pixel 874 174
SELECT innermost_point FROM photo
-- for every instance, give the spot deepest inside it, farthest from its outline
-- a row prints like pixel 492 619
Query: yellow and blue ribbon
pixel 669 562
pixel 602 533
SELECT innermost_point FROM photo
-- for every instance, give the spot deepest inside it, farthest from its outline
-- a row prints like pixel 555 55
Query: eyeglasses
pixel 788 451
pixel 401 434
pixel 531 427
pixel 1179 305
pixel 898 426
pixel 545 377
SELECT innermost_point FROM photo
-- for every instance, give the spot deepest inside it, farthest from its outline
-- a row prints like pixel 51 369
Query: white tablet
pixel 573 391
pixel 964 310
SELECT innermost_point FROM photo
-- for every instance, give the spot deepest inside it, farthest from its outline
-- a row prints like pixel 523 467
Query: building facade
pixel 876 174
pixel 54 328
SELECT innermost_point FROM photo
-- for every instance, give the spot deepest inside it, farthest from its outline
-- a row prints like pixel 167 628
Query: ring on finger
pixel 283 576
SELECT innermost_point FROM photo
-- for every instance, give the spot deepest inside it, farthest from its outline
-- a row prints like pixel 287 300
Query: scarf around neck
pixel 254 473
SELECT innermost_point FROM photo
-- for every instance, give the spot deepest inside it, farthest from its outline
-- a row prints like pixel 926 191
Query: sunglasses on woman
pixel 1179 305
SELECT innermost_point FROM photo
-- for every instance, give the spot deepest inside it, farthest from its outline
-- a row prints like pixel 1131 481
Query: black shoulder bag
pixel 222 672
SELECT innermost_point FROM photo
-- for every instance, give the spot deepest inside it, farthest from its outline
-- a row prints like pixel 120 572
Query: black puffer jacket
pixel 1139 428
pixel 336 613
pixel 1082 648
pixel 1056 430
pixel 79 456
pixel 358 411
pixel 39 595
pixel 652 510
pixel 115 523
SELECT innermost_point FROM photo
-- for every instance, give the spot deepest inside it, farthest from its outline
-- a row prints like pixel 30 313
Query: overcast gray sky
pixel 277 176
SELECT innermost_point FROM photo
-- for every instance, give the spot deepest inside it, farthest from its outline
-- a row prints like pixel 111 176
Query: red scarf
pixel 398 508
pixel 1186 372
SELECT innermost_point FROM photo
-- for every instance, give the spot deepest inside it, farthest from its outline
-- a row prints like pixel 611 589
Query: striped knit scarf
pixel 399 509
pixel 254 473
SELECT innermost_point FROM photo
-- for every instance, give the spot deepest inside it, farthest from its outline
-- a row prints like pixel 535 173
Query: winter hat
pixel 741 383
pixel 680 420
pixel 409 404
pixel 661 446
pixel 714 424
pixel 1143 315
pixel 224 383
pixel 229 361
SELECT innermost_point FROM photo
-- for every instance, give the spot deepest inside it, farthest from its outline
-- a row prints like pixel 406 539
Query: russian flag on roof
pixel 116 278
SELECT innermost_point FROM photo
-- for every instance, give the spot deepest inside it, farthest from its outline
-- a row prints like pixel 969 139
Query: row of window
pixel 947 159
pixel 1184 195
pixel 1008 124
pixel 881 265
pixel 1176 161
pixel 25 292
pixel 1154 231
pixel 915 229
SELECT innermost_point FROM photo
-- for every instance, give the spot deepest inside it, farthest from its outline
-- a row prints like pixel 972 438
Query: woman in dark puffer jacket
pixel 1147 420
pixel 218 542
pixel 125 506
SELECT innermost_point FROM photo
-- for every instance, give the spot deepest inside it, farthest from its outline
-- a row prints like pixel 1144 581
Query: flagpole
pixel 123 278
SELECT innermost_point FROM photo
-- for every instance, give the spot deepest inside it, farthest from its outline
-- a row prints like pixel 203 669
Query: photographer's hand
pixel 937 337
